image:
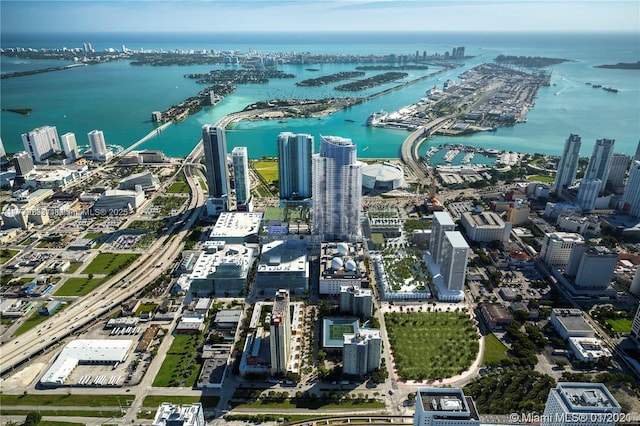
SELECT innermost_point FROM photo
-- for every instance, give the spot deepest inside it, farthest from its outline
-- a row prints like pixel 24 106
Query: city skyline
pixel 267 15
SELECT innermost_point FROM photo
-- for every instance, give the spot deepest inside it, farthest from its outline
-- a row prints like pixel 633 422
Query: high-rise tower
pixel 598 167
pixel 442 223
pixel 568 165
pixel 280 338
pixel 69 146
pixel 99 151
pixel 336 189
pixel 617 169
pixel 215 156
pixel 294 165
pixel 41 143
pixel 241 177
pixel 588 193
pixel 455 254
pixel 631 197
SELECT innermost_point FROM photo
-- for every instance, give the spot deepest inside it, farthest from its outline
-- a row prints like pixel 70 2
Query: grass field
pixel 430 345
pixel 268 169
pixel 153 401
pixel 494 350
pixel 146 307
pixel 336 331
pixel 64 413
pixel 34 320
pixel 6 255
pixel 74 267
pixel 621 325
pixel 167 204
pixel 66 400
pixel 93 235
pixel 178 367
pixel 78 286
pixel 178 187
pixel 541 178
pixel 106 263
pixel 312 404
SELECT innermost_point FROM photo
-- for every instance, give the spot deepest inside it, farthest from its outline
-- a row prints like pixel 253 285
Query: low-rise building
pixel 496 316
pixel 116 201
pixel 342 264
pixel 49 308
pixel 283 265
pixel 237 227
pixel 222 270
pixel 485 226
pixel 583 225
pixel 190 324
pixel 589 349
pixel 570 323
pixel 146 180
pixel 169 414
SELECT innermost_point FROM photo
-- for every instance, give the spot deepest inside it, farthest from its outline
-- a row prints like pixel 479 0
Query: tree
pixel 33 418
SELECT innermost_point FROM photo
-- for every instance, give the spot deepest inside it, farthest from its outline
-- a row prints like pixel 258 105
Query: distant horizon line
pixel 496 31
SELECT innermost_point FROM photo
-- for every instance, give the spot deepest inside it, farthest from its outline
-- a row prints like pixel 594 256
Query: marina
pixel 451 155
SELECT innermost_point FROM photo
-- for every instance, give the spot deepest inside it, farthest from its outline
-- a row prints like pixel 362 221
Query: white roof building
pixel 589 404
pixel 169 414
pixel 237 227
pixel 82 351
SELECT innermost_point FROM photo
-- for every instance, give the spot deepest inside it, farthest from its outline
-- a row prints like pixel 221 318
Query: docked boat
pixel 376 117
pixel 450 155
pixel 432 151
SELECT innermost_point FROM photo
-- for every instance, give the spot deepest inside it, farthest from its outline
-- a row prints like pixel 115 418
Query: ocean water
pixel 118 98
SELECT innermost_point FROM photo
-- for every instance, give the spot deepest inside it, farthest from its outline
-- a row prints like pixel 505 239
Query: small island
pixel 621 66
pixel 321 81
pixel 392 67
pixel 21 111
pixel 528 61
pixel 370 82
pixel 249 76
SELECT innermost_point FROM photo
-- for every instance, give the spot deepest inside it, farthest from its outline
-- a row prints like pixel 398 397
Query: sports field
pixel 336 331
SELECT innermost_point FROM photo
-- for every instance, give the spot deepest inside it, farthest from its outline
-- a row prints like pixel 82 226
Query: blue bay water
pixel 118 98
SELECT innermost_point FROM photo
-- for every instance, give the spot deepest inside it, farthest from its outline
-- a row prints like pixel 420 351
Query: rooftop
pixel 592 396
pixel 236 224
pixel 443 218
pixel 284 256
pixel 447 403
pixel 456 239
pixel 483 219
pixel 571 319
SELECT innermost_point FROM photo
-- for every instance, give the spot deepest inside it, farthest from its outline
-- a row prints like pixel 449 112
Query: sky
pixel 24 16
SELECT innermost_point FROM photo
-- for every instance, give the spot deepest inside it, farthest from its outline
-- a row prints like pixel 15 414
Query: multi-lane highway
pixel 117 290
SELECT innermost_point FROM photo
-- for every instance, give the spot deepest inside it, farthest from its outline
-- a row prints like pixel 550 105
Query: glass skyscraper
pixel 336 189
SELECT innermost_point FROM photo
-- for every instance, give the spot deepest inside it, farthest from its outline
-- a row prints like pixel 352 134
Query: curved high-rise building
pixel 294 165
pixel 99 151
pixel 336 189
pixel 568 165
